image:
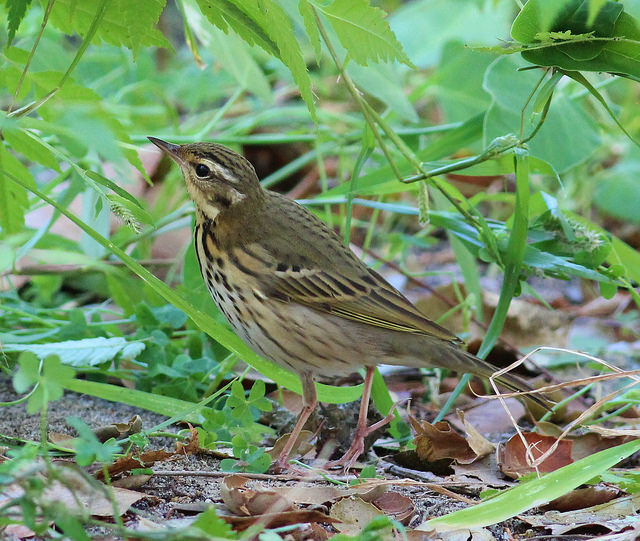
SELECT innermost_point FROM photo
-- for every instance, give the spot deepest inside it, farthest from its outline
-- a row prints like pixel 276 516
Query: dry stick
pixel 268 477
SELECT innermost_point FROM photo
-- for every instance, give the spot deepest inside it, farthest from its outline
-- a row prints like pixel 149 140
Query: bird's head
pixel 218 179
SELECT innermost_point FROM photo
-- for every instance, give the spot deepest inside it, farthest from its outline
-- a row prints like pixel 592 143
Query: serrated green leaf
pixel 13 198
pixel 16 12
pixel 124 23
pixel 85 352
pixel 225 14
pixel 310 26
pixel 363 31
pixel 266 24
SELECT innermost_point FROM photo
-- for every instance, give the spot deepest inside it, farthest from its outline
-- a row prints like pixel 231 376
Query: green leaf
pixel 264 23
pixel 230 50
pixel 310 26
pixel 21 141
pixel 87 446
pixel 124 23
pixel 617 56
pixel 567 120
pixel 28 372
pixel 86 352
pixel 13 198
pixel 211 524
pixel 363 31
pixel 381 81
pixel 17 10
pixel 533 493
pixel 50 381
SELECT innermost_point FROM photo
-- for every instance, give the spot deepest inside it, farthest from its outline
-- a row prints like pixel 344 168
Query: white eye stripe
pixel 219 170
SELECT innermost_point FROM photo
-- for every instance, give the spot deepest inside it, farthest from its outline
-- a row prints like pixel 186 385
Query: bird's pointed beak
pixel 168 148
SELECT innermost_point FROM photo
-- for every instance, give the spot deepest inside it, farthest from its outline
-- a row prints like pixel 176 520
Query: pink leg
pixel 310 401
pixel 362 430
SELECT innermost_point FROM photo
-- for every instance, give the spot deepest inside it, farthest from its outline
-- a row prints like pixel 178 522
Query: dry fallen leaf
pixel 480 445
pixel 301 447
pixel 396 506
pixel 119 430
pixel 512 456
pixel 581 498
pixel 438 441
pixel 615 516
pixel 354 514
pixel 252 500
pixel 277 520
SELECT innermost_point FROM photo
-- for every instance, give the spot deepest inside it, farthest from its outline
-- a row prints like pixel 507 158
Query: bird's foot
pixel 357 447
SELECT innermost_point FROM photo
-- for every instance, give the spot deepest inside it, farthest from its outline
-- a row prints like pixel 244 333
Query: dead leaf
pixel 132 481
pixel 277 520
pixel 192 447
pixel 590 443
pixel 581 498
pixel 287 399
pixel 242 499
pixel 119 430
pixel 480 445
pixel 437 441
pixel 128 463
pixel 301 447
pixel 396 506
pixel 353 514
pixel 616 516
pixel 512 456
pixel 483 472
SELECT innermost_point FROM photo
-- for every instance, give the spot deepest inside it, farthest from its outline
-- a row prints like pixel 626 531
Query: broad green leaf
pixel 425 26
pixel 618 56
pixel 618 191
pixel 125 23
pixel 363 31
pixel 533 493
pixel 458 79
pixel 567 119
pixel 225 14
pixel 382 81
pixel 86 352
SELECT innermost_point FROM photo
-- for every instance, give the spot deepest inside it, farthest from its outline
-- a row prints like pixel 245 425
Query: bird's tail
pixel 512 382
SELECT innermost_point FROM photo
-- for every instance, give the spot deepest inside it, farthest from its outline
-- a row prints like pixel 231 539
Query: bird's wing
pixel 317 270
pixel 368 299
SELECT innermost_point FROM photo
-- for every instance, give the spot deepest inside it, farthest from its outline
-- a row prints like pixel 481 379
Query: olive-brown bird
pixel 296 294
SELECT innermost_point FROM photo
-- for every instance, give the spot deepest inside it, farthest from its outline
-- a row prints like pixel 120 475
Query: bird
pixel 297 295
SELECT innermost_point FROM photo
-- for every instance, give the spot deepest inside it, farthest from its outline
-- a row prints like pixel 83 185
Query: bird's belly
pixel 290 335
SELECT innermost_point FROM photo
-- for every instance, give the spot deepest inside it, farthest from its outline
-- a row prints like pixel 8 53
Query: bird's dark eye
pixel 202 170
